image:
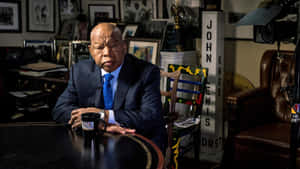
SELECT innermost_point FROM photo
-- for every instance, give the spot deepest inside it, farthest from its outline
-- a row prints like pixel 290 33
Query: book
pixel 41 66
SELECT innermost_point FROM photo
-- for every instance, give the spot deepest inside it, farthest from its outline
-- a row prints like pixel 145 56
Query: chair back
pixel 192 85
pixel 169 94
pixel 196 88
pixel 277 73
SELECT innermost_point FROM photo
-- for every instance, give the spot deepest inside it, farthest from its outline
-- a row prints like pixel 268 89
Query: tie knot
pixel 108 77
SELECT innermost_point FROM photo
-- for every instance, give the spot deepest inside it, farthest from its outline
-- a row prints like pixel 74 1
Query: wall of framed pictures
pixel 65 10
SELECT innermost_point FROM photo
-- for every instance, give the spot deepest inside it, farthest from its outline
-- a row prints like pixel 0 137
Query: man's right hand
pixel 75 120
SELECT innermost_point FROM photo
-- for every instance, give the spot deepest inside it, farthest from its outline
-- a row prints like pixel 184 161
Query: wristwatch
pixel 102 115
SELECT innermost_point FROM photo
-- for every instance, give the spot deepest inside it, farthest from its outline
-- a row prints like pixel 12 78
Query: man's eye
pixel 99 47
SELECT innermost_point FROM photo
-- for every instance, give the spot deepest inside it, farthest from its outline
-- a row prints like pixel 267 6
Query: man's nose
pixel 106 51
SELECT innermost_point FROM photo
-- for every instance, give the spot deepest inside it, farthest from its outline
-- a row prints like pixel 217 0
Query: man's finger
pixel 129 130
pixel 118 129
pixel 76 124
pixel 75 111
pixel 115 129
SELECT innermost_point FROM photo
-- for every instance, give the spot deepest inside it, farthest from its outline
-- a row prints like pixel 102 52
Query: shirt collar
pixel 114 73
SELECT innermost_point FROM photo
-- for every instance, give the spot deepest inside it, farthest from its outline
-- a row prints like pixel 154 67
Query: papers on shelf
pixel 41 66
pixel 187 123
pixel 41 69
pixel 18 94
pixel 23 94
pixel 40 73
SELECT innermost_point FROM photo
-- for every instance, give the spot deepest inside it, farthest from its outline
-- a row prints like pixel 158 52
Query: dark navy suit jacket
pixel 137 102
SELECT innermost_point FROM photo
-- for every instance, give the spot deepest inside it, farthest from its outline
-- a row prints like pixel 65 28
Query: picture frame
pixel 234 10
pixel 10 16
pixel 41 16
pixel 99 12
pixel 135 11
pixel 44 50
pixel 67 29
pixel 78 50
pixel 129 30
pixel 68 9
pixel 145 49
pixel 57 44
pixel 62 56
pixel 153 29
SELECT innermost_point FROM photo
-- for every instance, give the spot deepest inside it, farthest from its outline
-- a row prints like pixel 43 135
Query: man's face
pixel 107 48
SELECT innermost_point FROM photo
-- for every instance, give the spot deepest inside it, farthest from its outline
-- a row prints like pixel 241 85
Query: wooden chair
pixel 169 107
pixel 191 77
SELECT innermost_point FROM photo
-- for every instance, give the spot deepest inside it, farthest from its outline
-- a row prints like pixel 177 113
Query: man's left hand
pixel 118 129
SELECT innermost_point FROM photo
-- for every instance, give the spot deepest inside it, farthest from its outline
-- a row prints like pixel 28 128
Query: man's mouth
pixel 108 63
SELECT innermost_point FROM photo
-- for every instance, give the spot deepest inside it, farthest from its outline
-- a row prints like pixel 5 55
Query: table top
pixel 54 146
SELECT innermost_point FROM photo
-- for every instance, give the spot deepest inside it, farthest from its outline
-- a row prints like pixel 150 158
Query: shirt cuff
pixel 111 117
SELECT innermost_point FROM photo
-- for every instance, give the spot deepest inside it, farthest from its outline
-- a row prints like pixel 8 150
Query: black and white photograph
pixel 136 11
pixel 62 56
pixel 10 17
pixel 69 9
pixel 100 12
pixel 40 16
pixel 129 31
pixel 78 50
pixel 44 50
pixel 67 29
pixel 152 29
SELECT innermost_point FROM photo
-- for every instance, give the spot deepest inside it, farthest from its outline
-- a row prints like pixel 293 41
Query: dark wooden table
pixel 54 146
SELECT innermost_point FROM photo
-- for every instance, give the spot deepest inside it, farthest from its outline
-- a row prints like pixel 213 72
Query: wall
pixel 17 39
pixel 244 57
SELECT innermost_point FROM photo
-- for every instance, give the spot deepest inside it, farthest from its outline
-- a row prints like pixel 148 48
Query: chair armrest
pixel 249 108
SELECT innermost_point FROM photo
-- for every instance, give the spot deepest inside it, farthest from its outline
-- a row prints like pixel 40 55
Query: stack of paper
pixel 187 123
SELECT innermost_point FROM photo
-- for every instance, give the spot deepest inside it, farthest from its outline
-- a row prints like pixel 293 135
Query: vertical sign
pixel 213 59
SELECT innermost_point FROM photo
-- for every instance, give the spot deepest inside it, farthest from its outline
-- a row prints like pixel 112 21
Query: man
pixel 136 105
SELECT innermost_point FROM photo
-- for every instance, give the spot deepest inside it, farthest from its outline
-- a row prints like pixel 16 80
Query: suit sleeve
pixel 67 101
pixel 149 116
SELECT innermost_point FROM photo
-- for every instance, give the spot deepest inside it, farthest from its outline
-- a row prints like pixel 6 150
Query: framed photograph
pixel 62 56
pixel 152 29
pixel 145 49
pixel 40 15
pixel 234 10
pixel 57 44
pixel 135 11
pixel 10 16
pixel 68 9
pixel 78 50
pixel 101 12
pixel 43 49
pixel 129 31
pixel 67 29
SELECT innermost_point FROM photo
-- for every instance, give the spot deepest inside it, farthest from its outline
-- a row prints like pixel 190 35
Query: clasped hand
pixel 75 121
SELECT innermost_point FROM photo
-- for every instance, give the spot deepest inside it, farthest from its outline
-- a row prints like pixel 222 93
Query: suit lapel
pixel 95 76
pixel 124 82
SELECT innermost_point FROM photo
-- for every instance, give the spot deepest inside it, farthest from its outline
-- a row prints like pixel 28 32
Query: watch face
pixel 102 114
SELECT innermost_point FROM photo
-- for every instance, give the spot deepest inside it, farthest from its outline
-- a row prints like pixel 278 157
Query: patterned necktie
pixel 107 91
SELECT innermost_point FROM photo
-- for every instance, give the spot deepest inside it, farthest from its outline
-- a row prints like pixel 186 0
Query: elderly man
pixel 124 87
